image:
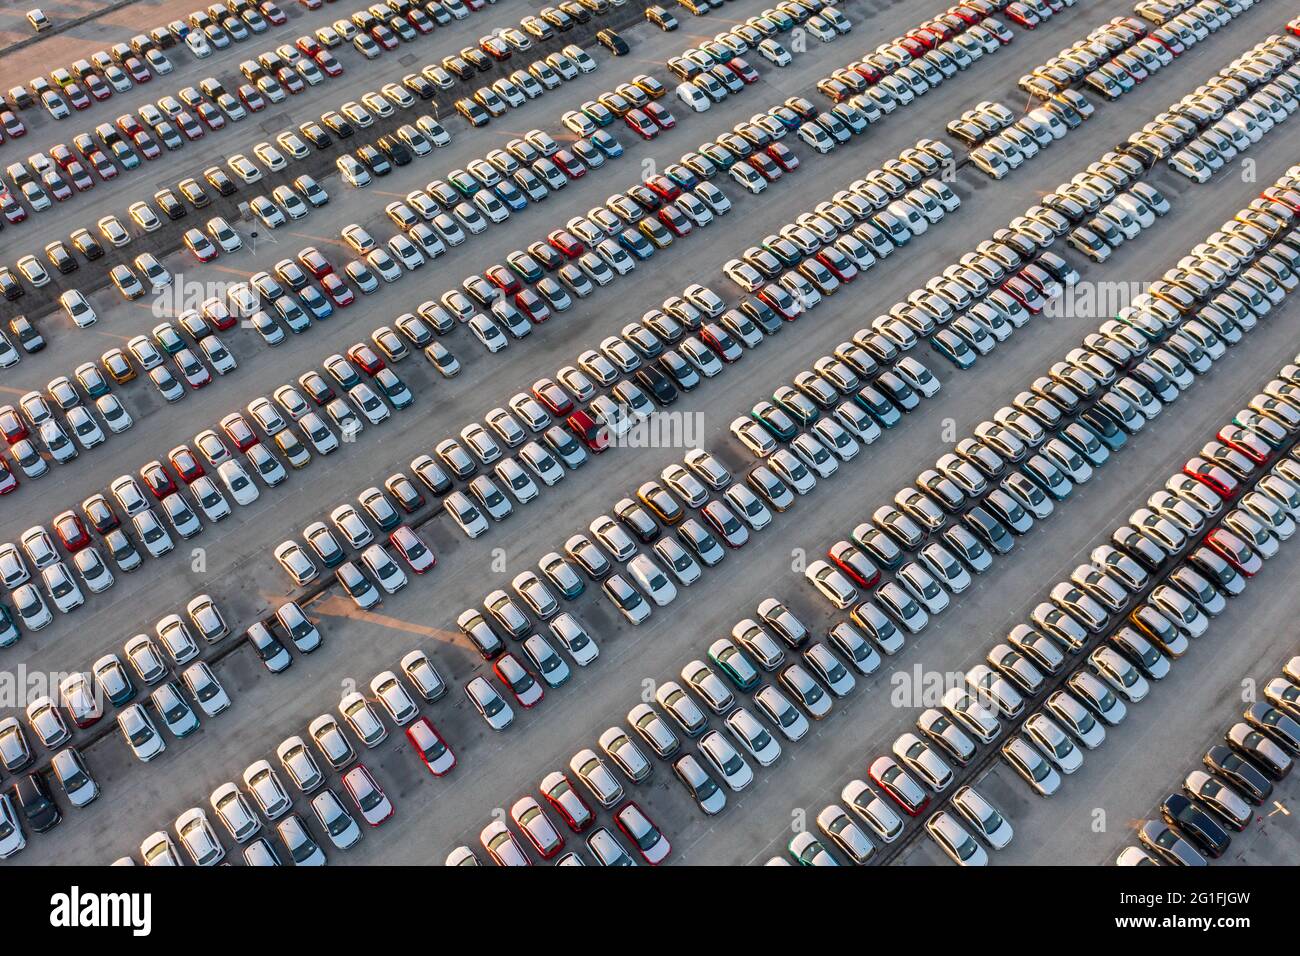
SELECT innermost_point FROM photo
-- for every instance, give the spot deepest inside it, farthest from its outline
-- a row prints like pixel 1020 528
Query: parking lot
pixel 232 560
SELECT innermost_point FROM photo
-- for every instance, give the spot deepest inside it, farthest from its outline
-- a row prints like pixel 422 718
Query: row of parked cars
pixel 52 427
pixel 1005 142
pixel 1212 125
pixel 907 66
pixel 1085 605
pixel 299 759
pixel 1159 628
pixel 1219 797
pixel 85 696
pixel 192 490
pixel 1120 41
pixel 214 105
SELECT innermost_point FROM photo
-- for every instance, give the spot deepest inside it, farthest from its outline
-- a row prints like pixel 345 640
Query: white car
pixel 774 52
pixel 395 698
pixel 140 733
pixel 693 96
pixel 196 836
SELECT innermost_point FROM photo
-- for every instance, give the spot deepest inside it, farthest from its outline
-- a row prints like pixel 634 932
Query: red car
pixel 743 70
pixel 211 115
pixel 8 481
pixel 1235 551
pixel 592 434
pixel 1250 445
pixel 160 483
pixel 522 684
pixel 532 305
pixel 97 87
pixel 766 167
pixel 899 786
pixel 850 559
pixel 641 124
pixel 675 220
pixel 503 279
pixel 412 548
pixel 664 188
pixel 1287 197
pixel 137 70
pixel 917 44
pixel 273 13
pixel 433 750
pixel 1212 476
pixel 290 79
pixel 784 157
pixel 186 463
pixel 553 397
pixel 1023 291
pixel 383 36
pixel 566 242
pixel 325 60
pixel 560 793
pixel 146 145
pixel 309 46
pixel 311 4
pixel 779 301
pixel 239 431
pixel 189 126
pixel 11 425
pixel 648 839
pixel 1021 15
pixel 71 532
pixel 315 262
pixel 251 98
pixel 364 356
pixel 663 119
pixel 77 96
pixel 340 292
pixel 569 164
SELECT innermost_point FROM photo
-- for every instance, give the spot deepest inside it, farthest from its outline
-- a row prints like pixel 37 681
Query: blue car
pixel 315 302
pixel 509 194
pixel 606 143
pixel 636 243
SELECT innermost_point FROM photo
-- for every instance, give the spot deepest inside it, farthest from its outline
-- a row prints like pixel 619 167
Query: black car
pixel 418 85
pixel 30 339
pixel 989 530
pixel 61 258
pixel 337 124
pixel 474 114
pixel 395 150
pixel 373 160
pixel 33 801
pixel 458 67
pixel 171 207
pixel 222 183
pixel 611 41
pixel 1179 811
pixel 657 384
pixel 477 59
pixel 87 245
pixel 315 135
pixel 1169 845
pixel 1240 772
pixel 661 18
